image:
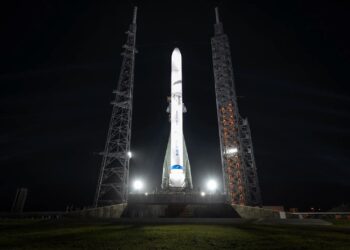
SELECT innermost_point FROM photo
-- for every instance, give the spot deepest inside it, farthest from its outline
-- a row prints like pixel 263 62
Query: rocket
pixel 176 171
pixel 176 166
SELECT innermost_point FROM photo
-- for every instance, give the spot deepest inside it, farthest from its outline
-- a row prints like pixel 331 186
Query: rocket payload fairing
pixel 177 172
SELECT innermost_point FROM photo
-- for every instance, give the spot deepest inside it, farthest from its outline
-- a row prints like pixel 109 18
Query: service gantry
pixel 240 178
pixel 113 182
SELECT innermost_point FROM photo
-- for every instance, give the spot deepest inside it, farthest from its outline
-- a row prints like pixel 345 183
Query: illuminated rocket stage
pixel 176 166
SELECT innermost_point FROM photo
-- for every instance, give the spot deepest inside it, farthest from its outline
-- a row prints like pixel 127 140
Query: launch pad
pixel 178 204
pixel 239 182
pixel 177 198
pixel 240 196
pixel 141 210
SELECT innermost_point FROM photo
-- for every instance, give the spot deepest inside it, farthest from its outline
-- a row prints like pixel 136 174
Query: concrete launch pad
pixel 176 198
pixel 179 205
pixel 142 210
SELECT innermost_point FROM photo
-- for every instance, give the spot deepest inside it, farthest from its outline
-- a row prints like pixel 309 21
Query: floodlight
pixel 129 154
pixel 231 151
pixel 212 185
pixel 203 194
pixel 138 185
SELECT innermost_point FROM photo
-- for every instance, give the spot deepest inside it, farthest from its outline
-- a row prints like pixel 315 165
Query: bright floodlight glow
pixel 231 150
pixel 212 185
pixel 138 185
pixel 202 194
pixel 129 154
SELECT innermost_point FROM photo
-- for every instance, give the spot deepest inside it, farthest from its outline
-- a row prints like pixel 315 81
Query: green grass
pixel 66 234
pixel 342 222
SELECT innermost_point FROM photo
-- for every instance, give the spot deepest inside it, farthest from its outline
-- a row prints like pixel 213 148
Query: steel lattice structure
pixel 112 186
pixel 238 165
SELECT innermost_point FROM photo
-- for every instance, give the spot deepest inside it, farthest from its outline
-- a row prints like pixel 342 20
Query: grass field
pixel 65 234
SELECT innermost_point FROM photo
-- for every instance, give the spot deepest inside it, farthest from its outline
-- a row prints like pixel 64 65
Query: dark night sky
pixel 59 64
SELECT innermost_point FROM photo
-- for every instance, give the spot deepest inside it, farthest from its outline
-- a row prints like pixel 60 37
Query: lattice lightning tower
pixel 238 165
pixel 112 186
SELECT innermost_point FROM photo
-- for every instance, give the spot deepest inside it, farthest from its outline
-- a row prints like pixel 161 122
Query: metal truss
pixel 238 166
pixel 251 182
pixel 112 186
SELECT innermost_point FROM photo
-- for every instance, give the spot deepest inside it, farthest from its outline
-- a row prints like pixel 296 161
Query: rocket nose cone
pixel 176 53
pixel 176 56
pixel 176 50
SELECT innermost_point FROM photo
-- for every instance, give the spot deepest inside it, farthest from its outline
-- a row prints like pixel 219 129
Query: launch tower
pixel 112 186
pixel 240 178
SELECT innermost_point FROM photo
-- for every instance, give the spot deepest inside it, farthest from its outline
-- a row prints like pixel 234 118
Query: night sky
pixel 60 61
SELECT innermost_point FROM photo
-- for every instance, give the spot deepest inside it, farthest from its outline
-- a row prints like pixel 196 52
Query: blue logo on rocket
pixel 179 167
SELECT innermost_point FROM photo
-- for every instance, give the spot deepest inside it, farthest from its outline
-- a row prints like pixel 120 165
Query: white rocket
pixel 177 172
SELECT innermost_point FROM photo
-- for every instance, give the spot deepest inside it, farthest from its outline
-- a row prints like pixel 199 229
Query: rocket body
pixel 176 172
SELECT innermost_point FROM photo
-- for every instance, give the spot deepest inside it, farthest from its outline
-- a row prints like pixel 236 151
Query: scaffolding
pixel 112 186
pixel 238 165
